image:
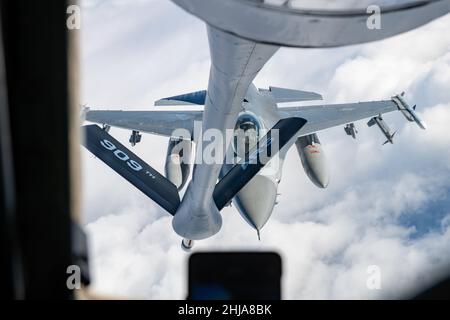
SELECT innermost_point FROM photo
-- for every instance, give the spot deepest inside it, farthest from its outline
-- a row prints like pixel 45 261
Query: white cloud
pixel 136 53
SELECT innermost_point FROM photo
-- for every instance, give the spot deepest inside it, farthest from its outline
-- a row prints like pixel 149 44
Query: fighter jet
pixel 243 35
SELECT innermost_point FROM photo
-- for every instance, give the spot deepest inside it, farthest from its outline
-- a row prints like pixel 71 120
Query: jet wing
pixel 322 117
pixel 156 122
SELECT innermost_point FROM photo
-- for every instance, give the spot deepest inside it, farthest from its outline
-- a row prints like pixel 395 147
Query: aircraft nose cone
pixel 256 200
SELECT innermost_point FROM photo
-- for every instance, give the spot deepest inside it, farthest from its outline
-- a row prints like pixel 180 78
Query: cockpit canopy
pixel 246 134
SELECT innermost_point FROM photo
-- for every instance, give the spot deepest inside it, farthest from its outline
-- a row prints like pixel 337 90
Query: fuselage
pixel 255 202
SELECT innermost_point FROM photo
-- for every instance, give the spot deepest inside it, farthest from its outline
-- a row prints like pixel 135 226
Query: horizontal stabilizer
pixel 193 98
pixel 245 170
pixel 132 168
pixel 281 95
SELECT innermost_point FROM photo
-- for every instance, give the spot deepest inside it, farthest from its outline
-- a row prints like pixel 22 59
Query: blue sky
pixel 386 205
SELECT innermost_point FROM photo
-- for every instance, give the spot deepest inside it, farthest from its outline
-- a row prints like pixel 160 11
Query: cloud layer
pixel 386 205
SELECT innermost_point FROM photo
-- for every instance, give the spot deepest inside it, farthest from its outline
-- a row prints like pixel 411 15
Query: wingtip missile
pixel 422 124
pixel 409 113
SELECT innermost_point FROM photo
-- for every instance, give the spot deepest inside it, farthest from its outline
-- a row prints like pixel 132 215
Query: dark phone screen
pixel 235 275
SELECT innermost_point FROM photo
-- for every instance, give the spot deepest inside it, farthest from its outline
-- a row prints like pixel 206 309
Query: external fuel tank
pixel 313 159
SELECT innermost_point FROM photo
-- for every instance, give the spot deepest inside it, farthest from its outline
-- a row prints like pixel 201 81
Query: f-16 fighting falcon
pixel 243 35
